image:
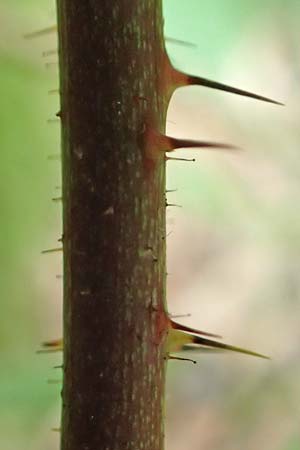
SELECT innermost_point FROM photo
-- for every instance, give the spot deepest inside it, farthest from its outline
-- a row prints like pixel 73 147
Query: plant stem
pixel 113 225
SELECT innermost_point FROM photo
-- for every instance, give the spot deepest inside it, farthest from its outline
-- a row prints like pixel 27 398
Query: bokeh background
pixel 233 246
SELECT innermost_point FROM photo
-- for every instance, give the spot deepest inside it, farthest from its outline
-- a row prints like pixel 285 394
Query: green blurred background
pixel 233 249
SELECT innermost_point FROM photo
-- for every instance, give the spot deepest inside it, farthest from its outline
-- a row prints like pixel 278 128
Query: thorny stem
pixel 113 213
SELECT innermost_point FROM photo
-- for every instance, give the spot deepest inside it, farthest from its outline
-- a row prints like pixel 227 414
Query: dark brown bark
pixel 114 224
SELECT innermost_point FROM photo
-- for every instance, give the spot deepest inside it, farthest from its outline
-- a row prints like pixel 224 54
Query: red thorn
pixel 219 345
pixel 176 143
pixel 179 326
pixel 52 346
pixel 174 79
pixel 54 343
pixel 194 80
pixel 158 142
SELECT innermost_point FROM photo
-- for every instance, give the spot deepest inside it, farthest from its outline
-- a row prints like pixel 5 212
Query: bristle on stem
pixel 42 32
pixel 52 250
pixel 53 91
pixel 180 42
pixel 178 358
pixel 180 159
pixel 50 52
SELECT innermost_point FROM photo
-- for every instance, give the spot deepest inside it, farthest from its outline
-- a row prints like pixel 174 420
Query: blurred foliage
pixel 234 248
pixel 29 223
pixel 234 253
